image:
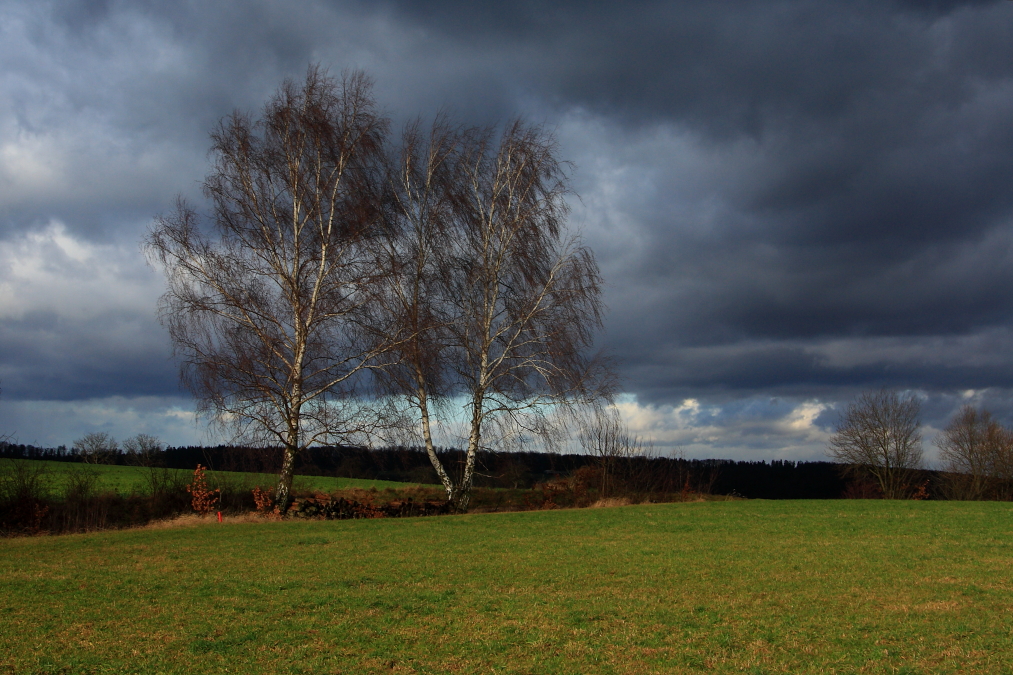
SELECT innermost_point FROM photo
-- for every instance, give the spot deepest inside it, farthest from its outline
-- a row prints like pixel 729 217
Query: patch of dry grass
pixel 610 502
pixel 194 520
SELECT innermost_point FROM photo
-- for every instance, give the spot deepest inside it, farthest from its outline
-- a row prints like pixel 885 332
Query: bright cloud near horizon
pixel 790 204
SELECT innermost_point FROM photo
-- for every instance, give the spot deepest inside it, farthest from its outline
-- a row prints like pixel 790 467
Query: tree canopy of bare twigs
pixel 878 435
pixel 143 449
pixel 498 305
pixel 142 444
pixel 977 455
pixel 97 447
pixel 264 304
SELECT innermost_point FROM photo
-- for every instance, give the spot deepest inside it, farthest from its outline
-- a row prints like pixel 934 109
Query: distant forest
pixel 777 479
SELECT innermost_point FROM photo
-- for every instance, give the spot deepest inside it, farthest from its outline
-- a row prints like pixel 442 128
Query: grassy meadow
pixel 135 479
pixel 736 587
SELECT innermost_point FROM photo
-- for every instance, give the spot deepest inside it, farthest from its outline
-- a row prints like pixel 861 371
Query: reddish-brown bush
pixel 204 498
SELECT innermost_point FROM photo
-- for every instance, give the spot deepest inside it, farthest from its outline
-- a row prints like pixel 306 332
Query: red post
pixel 219 516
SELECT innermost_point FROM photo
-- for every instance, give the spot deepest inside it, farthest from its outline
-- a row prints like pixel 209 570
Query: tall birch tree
pixel 264 302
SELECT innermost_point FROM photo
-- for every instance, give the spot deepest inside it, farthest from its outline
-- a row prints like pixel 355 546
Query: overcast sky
pixel 791 202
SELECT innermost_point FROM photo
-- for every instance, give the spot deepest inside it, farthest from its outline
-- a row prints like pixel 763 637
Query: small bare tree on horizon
pixel 977 455
pixel 97 447
pixel 878 436
pixel 607 438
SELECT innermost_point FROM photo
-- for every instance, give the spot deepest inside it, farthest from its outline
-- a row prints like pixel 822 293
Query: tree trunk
pixel 427 436
pixel 283 495
pixel 474 441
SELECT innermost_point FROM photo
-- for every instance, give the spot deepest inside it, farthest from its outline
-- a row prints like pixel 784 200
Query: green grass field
pixel 729 587
pixel 130 479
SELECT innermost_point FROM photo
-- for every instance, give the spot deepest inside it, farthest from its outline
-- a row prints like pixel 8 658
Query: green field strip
pixel 134 479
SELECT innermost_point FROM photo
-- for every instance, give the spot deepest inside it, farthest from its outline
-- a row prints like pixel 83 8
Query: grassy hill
pixel 741 586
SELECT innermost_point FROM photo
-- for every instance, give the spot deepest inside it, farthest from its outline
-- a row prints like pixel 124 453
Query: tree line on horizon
pixel 634 477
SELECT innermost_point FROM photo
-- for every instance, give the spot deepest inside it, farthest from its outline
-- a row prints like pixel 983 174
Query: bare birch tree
pixel 878 435
pixel 501 305
pixel 263 307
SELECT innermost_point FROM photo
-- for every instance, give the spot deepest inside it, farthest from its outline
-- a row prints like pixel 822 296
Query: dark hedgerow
pixel 340 508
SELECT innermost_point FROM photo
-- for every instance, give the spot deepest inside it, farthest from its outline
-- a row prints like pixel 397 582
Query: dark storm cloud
pixel 819 370
pixel 108 356
pixel 865 191
pixel 795 198
pixel 731 68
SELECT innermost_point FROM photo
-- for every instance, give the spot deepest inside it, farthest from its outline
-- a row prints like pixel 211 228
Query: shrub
pixel 204 498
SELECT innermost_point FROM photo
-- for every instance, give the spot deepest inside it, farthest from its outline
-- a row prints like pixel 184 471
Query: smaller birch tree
pixel 498 305
pixel 424 181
